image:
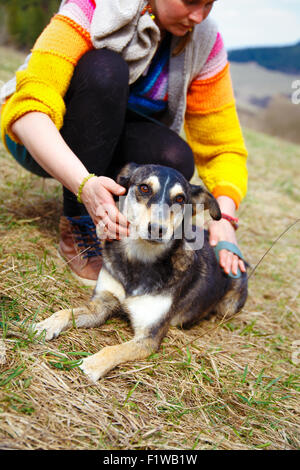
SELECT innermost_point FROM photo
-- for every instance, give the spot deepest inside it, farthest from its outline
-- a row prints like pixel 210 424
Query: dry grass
pixel 230 386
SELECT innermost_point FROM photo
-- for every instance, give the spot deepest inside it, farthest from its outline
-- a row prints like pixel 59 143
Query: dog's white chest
pixel 147 310
pixel 144 310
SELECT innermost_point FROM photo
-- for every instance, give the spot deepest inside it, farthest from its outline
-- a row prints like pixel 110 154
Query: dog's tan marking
pixel 175 190
pixel 93 314
pixel 99 364
pixel 153 181
pixel 229 304
pixel 142 250
pixel 55 324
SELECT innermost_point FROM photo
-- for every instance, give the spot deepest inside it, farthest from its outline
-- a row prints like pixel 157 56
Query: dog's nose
pixel 156 231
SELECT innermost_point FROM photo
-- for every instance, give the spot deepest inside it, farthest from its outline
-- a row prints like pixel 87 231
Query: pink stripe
pixel 218 46
pixel 213 67
pixel 86 6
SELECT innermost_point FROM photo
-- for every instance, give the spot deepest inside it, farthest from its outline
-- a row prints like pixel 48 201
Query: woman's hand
pixel 97 196
pixel 222 230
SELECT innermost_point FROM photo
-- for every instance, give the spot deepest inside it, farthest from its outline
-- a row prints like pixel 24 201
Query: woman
pixel 112 81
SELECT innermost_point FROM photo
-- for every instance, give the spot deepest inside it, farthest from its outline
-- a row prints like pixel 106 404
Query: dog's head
pixel 159 198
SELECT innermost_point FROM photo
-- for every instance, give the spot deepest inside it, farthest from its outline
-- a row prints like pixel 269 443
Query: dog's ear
pixel 201 196
pixel 125 174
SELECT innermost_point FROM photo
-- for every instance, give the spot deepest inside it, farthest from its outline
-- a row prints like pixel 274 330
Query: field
pixel 255 85
pixel 220 385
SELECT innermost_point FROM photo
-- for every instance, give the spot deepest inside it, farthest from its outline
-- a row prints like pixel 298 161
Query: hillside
pixel 264 100
pixel 282 58
pixel 255 86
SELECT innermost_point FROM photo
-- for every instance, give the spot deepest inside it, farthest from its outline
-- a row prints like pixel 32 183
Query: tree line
pixel 281 58
pixel 22 21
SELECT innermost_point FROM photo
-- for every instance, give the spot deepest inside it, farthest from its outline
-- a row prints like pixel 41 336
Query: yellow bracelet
pixel 91 175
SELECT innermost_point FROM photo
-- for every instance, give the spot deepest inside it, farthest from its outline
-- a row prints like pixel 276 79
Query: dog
pixel 155 278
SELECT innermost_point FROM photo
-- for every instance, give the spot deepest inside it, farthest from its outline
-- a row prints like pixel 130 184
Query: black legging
pixel 104 134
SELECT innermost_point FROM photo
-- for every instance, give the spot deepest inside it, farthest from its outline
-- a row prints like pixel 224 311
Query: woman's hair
pixel 182 43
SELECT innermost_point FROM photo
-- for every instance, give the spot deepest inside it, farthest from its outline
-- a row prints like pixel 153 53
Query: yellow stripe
pixel 56 54
pixel 50 69
pixel 220 154
pixel 30 96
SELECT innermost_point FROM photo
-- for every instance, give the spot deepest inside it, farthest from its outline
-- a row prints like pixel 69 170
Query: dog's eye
pixel 179 199
pixel 144 188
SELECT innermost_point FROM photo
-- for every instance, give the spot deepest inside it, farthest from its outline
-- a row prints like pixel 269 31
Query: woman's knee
pixel 146 142
pixel 103 71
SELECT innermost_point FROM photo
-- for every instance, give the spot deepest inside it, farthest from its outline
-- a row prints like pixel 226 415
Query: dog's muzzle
pixel 156 232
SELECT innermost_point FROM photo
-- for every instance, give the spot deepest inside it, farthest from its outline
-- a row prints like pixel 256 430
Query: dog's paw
pixel 52 325
pixel 94 367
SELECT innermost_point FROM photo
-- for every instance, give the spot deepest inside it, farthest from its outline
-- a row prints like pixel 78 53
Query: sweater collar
pixel 119 26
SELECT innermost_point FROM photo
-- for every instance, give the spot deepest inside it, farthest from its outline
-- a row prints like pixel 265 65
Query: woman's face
pixel 178 16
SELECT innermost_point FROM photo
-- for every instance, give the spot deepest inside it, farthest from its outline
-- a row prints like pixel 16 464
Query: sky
pixel 258 22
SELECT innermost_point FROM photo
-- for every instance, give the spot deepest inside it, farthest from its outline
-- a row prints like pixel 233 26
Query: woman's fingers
pixel 223 231
pixel 230 262
pixel 234 265
pixel 111 186
pixel 113 223
pixel 110 211
pixel 242 266
pixel 225 261
pixel 97 196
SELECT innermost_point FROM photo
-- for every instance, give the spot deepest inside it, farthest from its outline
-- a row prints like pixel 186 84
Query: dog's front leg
pixel 99 364
pixel 150 320
pixel 95 313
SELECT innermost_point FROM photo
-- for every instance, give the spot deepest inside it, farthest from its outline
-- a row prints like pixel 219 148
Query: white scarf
pixel 119 26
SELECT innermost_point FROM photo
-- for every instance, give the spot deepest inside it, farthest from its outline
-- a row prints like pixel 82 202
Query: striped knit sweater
pixel 211 122
pixel 149 94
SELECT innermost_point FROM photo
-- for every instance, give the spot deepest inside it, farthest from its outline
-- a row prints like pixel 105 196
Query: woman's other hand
pixel 222 230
